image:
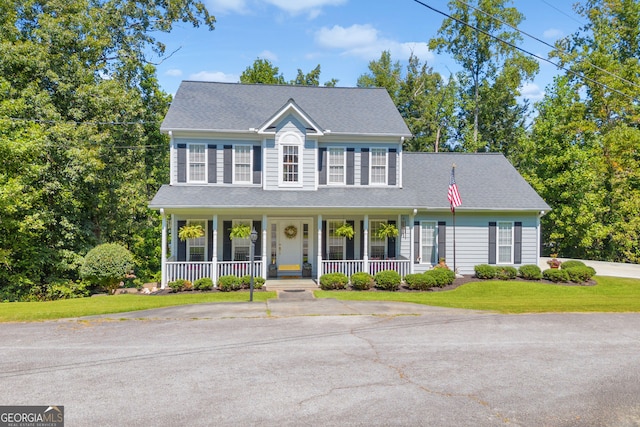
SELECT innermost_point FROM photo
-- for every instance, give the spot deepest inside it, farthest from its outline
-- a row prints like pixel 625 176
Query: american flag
pixel 453 195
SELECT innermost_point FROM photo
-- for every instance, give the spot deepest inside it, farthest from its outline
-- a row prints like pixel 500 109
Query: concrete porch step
pixel 290 284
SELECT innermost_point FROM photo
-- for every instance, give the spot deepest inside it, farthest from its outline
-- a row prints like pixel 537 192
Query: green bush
pixel 580 274
pixel 203 284
pixel 362 281
pixel 556 275
pixel 572 263
pixel 258 282
pixel 506 272
pixel 485 271
pixel 530 272
pixel 107 265
pixel 59 290
pixel 442 276
pixel 332 281
pixel 229 283
pixel 420 282
pixel 180 285
pixel 388 280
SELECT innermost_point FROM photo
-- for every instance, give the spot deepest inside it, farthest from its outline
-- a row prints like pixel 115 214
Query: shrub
pixel 530 272
pixel 442 276
pixel 556 275
pixel 229 283
pixel 258 282
pixel 506 272
pixel 362 281
pixel 580 274
pixel 180 285
pixel 572 263
pixel 106 265
pixel 420 282
pixel 388 280
pixel 332 281
pixel 485 271
pixel 203 284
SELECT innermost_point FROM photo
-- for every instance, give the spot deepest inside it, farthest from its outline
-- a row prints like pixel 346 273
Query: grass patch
pixel 63 309
pixel 610 294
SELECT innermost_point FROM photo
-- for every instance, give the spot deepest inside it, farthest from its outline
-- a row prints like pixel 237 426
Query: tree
pixel 107 265
pixel 264 72
pixel 383 73
pixel 491 70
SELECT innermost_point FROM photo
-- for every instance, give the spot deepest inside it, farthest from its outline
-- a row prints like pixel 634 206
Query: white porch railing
pixel 346 267
pixel 239 268
pixel 190 271
pixel 402 266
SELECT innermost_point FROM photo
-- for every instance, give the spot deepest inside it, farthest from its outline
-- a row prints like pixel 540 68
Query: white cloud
pixel 267 54
pixel 552 34
pixel 532 92
pixel 311 7
pixel 225 6
pixel 363 41
pixel 174 72
pixel 214 76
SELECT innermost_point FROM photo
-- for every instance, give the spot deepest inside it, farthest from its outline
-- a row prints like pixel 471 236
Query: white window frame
pixel 241 243
pixel 342 165
pixel 374 241
pixel 200 242
pixel 504 225
pixel 434 259
pixel 384 166
pixel 249 179
pixel 334 241
pixel 203 163
pixel 290 139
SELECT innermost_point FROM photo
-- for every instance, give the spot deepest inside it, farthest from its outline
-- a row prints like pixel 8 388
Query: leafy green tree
pixel 264 72
pixel 106 266
pixel 383 73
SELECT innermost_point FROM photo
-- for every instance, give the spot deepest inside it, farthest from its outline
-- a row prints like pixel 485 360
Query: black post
pixel 253 237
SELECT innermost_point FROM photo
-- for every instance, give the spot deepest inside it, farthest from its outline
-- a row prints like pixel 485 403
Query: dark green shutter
pixel 210 240
pixel 322 166
pixel 361 239
pixel 517 243
pixel 391 243
pixel 325 255
pixel 392 166
pixel 350 166
pixel 257 164
pixel 212 169
pixel 257 225
pixel 182 244
pixel 442 240
pixel 364 166
pixel 182 162
pixel 228 165
pixel 350 243
pixel 492 243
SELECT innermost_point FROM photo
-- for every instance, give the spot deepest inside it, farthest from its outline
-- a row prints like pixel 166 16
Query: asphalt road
pixel 428 366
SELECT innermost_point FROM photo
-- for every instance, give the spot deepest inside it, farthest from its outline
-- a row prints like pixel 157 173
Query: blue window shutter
pixel 393 154
pixel 391 243
pixel 212 169
pixel 228 165
pixel 210 240
pixel 257 165
pixel 182 244
pixel 364 166
pixel 322 166
pixel 416 241
pixel 492 242
pixel 442 240
pixel 517 243
pixel 226 241
pixel 257 225
pixel 350 252
pixel 182 162
pixel 350 166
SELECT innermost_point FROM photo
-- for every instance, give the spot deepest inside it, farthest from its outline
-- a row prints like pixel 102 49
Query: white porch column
pixel 412 249
pixel 319 258
pixel 263 261
pixel 163 257
pixel 365 234
pixel 214 249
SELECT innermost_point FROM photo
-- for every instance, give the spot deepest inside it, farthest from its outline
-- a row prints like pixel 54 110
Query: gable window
pixel 241 246
pixel 336 165
pixel 335 244
pixel 242 163
pixel 378 166
pixel 377 245
pixel 290 159
pixel 428 242
pixel 505 243
pixel 196 247
pixel 197 163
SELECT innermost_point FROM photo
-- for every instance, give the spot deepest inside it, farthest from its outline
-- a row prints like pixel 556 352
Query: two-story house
pixel 297 163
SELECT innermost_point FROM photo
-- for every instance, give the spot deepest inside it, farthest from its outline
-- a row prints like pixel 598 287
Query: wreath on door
pixel 291 231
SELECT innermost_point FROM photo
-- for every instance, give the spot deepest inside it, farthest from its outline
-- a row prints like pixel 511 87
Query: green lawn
pixel 611 294
pixel 61 309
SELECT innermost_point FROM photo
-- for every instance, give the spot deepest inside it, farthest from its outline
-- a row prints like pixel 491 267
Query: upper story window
pixel 336 166
pixel 378 166
pixel 290 167
pixel 505 243
pixel 242 163
pixel 197 163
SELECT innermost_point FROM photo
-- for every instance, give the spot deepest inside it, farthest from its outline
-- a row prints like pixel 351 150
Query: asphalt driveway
pixel 211 365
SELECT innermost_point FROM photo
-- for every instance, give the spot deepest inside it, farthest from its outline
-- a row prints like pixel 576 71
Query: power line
pixel 580 76
pixel 562 12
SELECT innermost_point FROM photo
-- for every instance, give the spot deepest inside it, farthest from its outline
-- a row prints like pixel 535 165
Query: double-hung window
pixel 197 163
pixel 428 242
pixel 336 166
pixel 290 163
pixel 378 166
pixel 242 163
pixel 196 247
pixel 505 243
pixel 377 245
pixel 335 243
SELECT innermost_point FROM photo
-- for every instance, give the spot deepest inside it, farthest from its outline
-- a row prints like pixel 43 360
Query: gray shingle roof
pixel 239 107
pixel 485 181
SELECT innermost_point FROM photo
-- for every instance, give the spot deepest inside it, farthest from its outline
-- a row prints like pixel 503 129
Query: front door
pixel 289 243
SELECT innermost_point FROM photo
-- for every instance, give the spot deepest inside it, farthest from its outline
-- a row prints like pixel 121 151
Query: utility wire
pixel 562 12
pixel 579 75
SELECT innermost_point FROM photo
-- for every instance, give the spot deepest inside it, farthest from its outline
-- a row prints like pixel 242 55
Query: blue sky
pixel 340 35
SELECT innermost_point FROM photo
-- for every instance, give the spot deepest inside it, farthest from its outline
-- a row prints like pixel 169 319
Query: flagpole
pixel 454 201
pixel 453 211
